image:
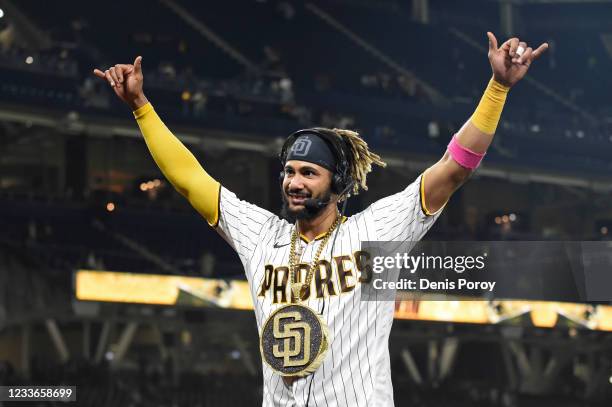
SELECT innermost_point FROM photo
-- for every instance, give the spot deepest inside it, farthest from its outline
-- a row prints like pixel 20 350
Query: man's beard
pixel 305 213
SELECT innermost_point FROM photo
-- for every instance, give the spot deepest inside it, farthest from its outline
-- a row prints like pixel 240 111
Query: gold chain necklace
pixel 298 289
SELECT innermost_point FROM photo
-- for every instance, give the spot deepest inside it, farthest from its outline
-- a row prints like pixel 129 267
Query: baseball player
pixel 321 345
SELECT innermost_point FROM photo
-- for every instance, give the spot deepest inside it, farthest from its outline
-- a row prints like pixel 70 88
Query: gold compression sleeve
pixel 178 165
pixel 487 114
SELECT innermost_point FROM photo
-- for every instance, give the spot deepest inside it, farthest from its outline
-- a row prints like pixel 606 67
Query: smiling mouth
pixel 297 199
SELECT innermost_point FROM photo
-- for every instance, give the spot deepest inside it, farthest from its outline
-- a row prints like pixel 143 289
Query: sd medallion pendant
pixel 294 340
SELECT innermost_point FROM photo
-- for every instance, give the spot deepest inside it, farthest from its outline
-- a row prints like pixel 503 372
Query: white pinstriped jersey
pixel 356 371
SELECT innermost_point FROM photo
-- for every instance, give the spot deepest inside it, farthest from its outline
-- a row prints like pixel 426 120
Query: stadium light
pixel 110 206
pixel 29 60
pixel 544 315
pixel 1 13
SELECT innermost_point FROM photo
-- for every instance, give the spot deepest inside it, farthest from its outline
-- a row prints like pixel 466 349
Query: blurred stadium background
pixel 79 191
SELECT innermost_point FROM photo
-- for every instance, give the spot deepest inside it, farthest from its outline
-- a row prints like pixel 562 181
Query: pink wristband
pixel 464 156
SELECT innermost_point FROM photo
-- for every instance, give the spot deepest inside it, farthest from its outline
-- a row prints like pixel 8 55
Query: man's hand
pixel 126 80
pixel 511 61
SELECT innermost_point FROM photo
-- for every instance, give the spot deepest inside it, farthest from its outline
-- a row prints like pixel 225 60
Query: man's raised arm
pixel 509 63
pixel 175 161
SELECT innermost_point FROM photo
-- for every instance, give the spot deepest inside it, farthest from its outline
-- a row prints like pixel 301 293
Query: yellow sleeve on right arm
pixel 178 165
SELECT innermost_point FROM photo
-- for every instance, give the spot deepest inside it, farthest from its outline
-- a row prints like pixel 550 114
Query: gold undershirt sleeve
pixel 179 165
pixel 489 110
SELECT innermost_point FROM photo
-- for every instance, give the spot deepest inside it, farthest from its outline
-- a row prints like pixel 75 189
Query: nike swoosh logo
pixel 276 245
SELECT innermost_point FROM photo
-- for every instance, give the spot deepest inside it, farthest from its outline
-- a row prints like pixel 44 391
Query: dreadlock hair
pixel 359 156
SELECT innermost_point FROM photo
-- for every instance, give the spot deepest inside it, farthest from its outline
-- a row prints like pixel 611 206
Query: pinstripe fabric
pixel 356 370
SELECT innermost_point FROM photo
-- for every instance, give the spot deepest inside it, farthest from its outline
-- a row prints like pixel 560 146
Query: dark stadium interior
pixel 78 189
